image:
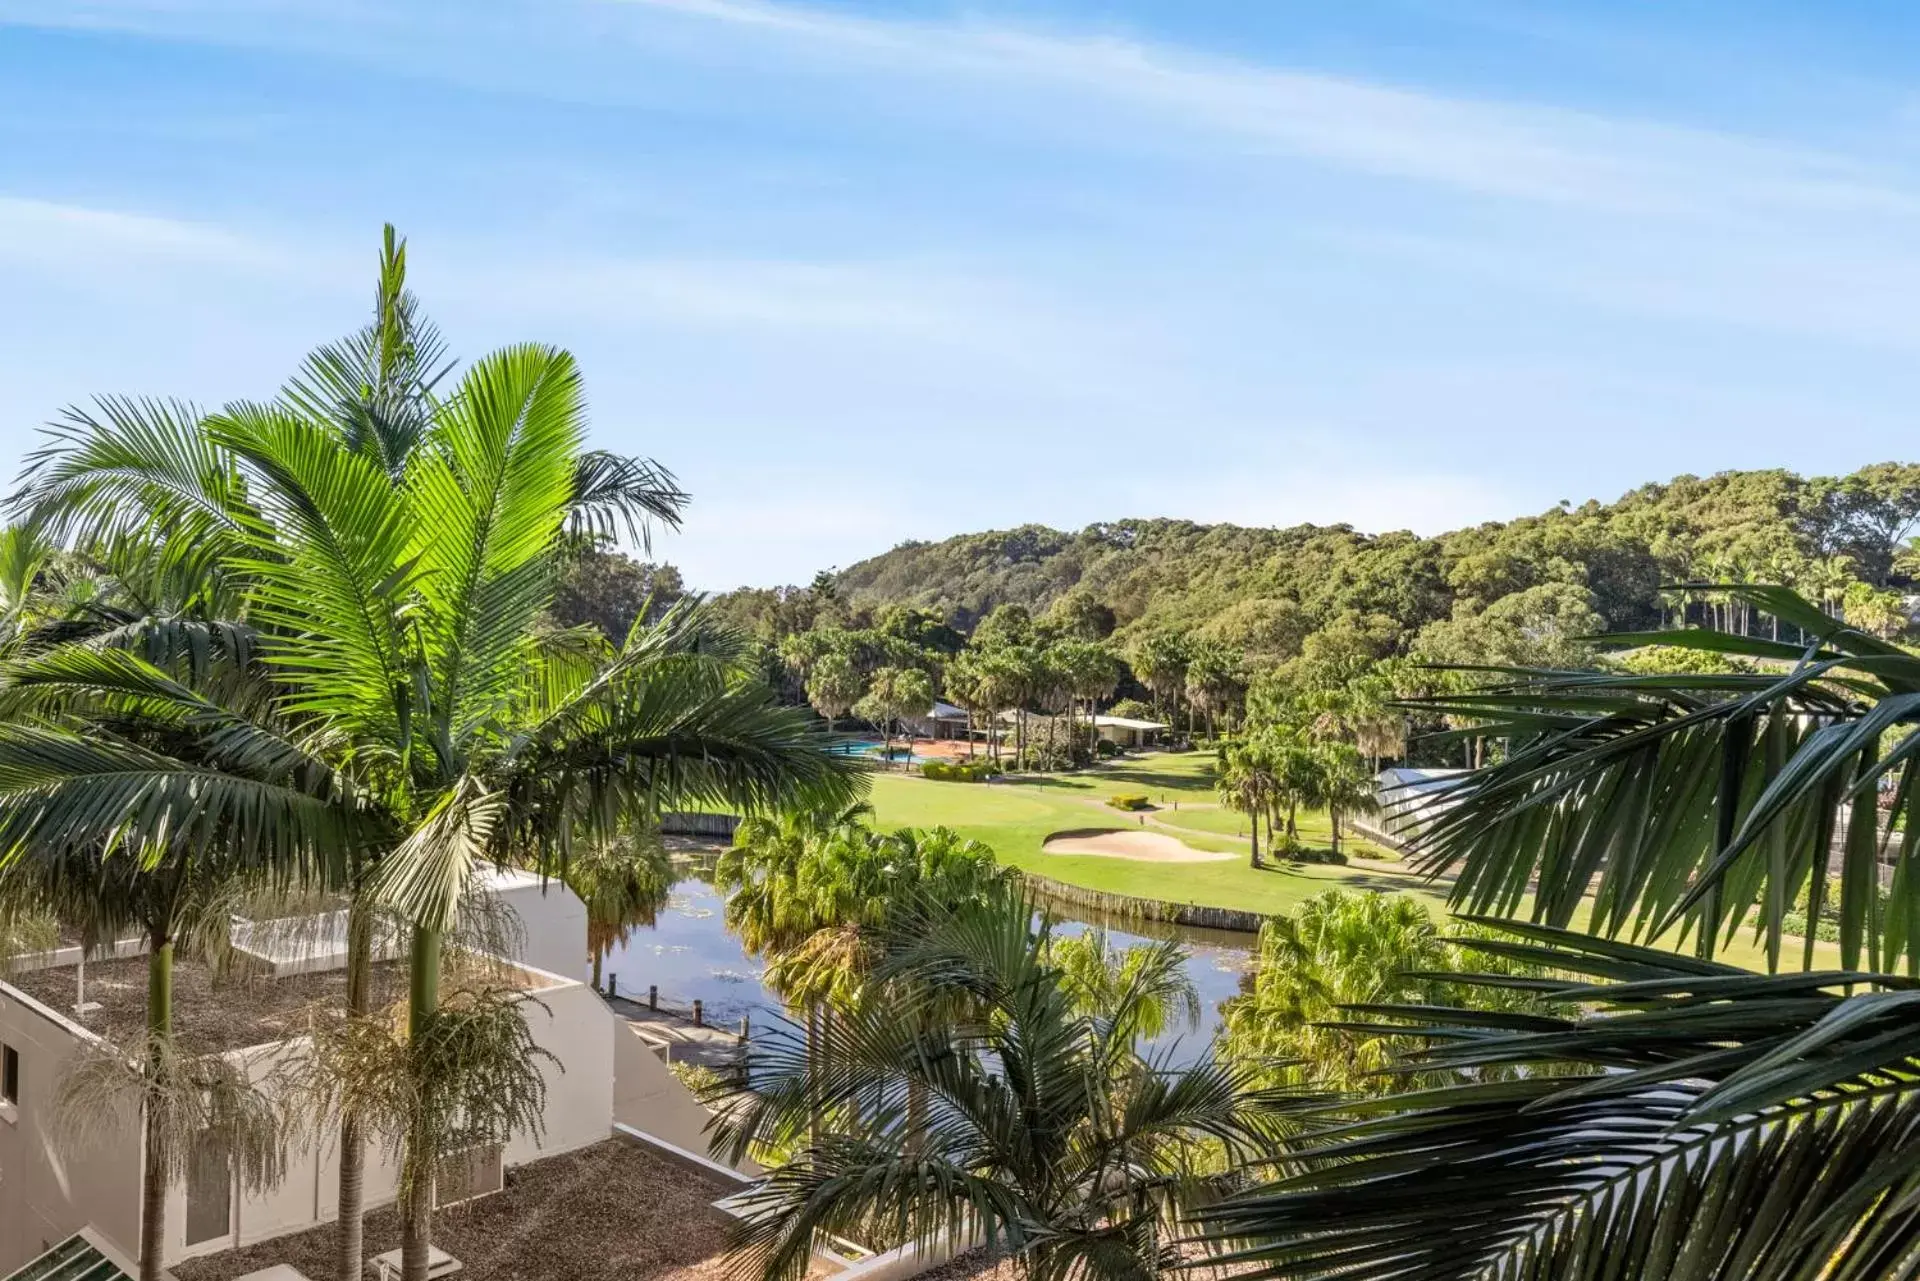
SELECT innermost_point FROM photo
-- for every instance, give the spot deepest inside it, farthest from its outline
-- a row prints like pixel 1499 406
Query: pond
pixel 690 955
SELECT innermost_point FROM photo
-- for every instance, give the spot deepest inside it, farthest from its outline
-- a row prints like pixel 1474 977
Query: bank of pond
pixel 688 954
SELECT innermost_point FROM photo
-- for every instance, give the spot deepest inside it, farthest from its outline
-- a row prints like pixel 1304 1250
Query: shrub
pixel 958 771
pixel 698 1077
pixel 1130 801
pixel 1301 854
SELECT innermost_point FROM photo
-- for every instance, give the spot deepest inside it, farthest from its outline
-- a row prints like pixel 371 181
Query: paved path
pixel 708 1046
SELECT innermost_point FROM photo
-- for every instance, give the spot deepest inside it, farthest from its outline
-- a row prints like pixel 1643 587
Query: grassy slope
pixel 1016 817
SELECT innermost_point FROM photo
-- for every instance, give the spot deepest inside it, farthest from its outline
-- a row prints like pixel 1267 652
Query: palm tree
pixel 834 685
pixel 988 1109
pixel 1675 1116
pixel 1161 662
pixel 156 489
pixel 176 877
pixel 1342 785
pixel 1090 672
pixel 623 883
pixel 1145 984
pixel 408 620
pixel 893 693
pixel 1248 782
pixel 1213 681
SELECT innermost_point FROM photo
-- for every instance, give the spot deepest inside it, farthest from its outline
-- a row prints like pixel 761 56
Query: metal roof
pixel 74 1259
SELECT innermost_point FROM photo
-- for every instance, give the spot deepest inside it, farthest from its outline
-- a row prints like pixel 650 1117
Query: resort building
pixel 57 1008
pixel 1126 731
pixel 941 722
pixel 1411 798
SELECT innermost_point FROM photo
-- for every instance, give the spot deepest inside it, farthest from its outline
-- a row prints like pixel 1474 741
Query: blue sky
pixel 861 272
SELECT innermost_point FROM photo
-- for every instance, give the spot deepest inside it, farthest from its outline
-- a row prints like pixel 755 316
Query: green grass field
pixel 1017 816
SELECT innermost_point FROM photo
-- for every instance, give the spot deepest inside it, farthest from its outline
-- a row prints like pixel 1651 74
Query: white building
pixel 1128 731
pixel 52 1187
pixel 1410 798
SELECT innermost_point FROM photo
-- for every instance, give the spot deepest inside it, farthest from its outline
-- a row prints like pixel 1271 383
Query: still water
pixel 690 955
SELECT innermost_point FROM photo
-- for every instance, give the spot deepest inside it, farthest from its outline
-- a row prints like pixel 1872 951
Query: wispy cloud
pixel 1514 149
pixel 1507 148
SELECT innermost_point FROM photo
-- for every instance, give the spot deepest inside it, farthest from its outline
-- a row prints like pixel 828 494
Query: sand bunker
pixel 1143 847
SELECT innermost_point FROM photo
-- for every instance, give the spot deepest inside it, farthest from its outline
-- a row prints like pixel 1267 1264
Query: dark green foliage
pixel 1696 1123
pixel 1265 590
pixel 610 590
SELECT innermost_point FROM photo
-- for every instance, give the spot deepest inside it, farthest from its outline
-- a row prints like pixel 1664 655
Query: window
pixel 9 1074
pixel 468 1174
pixel 209 1189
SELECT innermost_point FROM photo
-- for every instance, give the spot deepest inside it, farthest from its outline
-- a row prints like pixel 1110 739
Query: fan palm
pixel 623 883
pixel 989 1110
pixel 1694 1119
pixel 1248 781
pixel 404 625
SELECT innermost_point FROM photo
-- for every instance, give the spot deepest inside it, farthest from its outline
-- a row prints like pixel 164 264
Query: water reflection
pixel 690 955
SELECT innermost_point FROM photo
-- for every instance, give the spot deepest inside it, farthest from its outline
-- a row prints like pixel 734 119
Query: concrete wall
pixel 574 1026
pixel 552 919
pixel 47 1193
pixel 649 1097
pixel 48 1189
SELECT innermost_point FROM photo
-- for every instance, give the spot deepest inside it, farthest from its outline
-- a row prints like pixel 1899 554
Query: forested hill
pixel 1259 585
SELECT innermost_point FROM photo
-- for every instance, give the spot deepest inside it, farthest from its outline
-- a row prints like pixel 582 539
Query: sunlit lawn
pixel 1016 817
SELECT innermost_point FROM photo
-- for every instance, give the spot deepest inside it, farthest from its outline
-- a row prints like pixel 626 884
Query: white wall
pixel 648 1097
pixel 49 1191
pixel 574 1026
pixel 553 921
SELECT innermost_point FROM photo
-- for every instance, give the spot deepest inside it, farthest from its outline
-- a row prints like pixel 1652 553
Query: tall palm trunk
pixel 153 1187
pixel 1333 817
pixel 416 1209
pixel 1254 811
pixel 349 1233
pixel 813 1075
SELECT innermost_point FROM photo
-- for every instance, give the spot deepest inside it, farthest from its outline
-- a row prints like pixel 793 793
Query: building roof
pixel 75 1259
pixel 618 1210
pixel 945 712
pixel 1125 722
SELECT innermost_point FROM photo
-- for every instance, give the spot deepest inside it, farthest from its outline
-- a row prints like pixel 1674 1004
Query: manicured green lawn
pixel 1016 817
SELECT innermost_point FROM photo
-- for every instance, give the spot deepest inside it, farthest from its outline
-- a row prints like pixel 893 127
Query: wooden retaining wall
pixel 1128 907
pixel 715 825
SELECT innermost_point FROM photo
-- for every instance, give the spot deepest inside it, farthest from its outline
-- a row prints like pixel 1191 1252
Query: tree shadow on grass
pixel 1159 778
pixel 1054 781
pixel 1385 883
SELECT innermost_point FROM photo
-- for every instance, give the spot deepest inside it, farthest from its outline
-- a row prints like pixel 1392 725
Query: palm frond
pixel 612 492
pixel 488 496
pixel 1702 803
pixel 1712 1124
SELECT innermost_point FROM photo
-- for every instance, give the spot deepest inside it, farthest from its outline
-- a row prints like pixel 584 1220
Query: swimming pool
pixel 872 747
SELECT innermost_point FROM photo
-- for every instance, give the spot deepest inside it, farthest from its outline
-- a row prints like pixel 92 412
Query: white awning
pixel 1125 722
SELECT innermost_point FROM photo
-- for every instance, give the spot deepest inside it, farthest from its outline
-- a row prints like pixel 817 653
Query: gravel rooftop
pixel 212 1013
pixel 616 1211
